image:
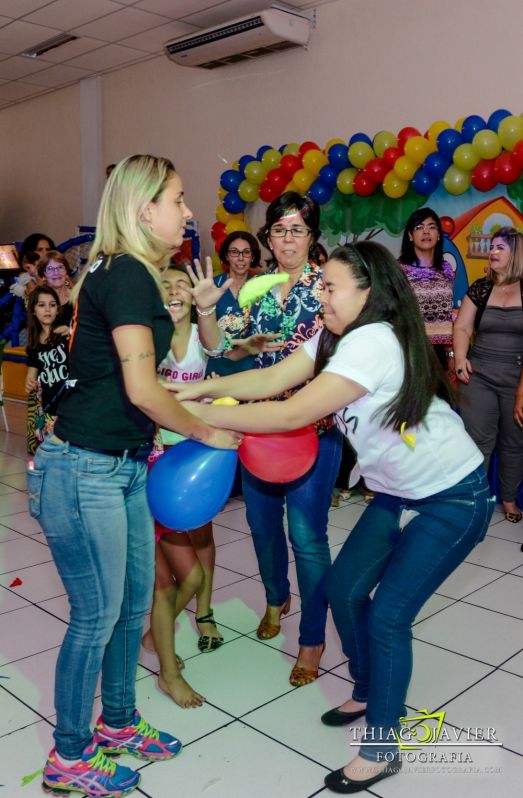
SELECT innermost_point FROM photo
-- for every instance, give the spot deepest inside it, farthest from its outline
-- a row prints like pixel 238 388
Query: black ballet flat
pixel 336 717
pixel 337 781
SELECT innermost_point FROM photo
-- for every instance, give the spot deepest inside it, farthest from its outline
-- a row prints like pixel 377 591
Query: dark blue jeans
pixel 409 554
pixel 308 501
pixel 94 513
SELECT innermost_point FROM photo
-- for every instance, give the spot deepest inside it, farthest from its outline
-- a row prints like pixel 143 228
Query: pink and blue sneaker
pixel 138 739
pixel 95 775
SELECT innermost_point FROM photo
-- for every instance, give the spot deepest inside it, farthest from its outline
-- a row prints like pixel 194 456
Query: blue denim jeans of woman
pixel 93 510
pixel 409 547
pixel 308 501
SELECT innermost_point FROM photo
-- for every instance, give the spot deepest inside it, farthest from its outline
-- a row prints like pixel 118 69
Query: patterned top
pixel 233 321
pixel 433 290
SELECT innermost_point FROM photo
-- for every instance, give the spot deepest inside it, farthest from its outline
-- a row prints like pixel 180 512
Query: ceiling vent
pixel 49 44
pixel 241 40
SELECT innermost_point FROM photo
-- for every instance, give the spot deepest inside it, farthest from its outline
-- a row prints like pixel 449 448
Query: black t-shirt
pixel 50 361
pixel 96 412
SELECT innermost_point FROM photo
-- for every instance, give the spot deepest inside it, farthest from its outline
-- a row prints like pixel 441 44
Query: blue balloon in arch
pixel 189 484
pixel 233 203
pixel 230 179
pixel 243 161
pixel 263 148
pixel 360 137
pixel 436 164
pixel 424 184
pixel 448 140
pixel 496 117
pixel 338 157
pixel 328 176
pixel 472 125
pixel 320 193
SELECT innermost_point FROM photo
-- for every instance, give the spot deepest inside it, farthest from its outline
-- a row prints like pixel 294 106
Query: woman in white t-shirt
pixel 375 370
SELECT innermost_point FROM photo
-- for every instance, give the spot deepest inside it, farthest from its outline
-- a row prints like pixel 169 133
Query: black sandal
pixel 207 643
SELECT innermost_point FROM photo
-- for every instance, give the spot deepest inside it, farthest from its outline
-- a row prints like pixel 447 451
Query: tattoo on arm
pixel 141 356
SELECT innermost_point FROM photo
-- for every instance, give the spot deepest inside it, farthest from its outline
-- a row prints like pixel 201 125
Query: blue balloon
pixel 189 484
pixel 264 148
pixel 436 164
pixel 360 137
pixel 230 179
pixel 338 158
pixel 496 117
pixel 424 184
pixel 233 203
pixel 472 125
pixel 328 176
pixel 280 149
pixel 320 193
pixel 448 140
pixel 243 161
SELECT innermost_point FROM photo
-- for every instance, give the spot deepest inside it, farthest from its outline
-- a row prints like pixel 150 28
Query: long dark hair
pixel 34 328
pixel 408 255
pixel 31 242
pixel 392 300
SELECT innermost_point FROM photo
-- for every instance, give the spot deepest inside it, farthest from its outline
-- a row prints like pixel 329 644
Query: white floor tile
pixel 23 523
pixel 503 555
pixel 223 534
pixel 39 582
pixel 22 754
pixel 13 714
pixel 504 595
pixel 21 553
pixel 15 481
pixel 14 502
pixel 8 534
pixel 465 579
pixel 514 665
pixel 346 515
pixel 32 680
pixel 28 631
pixel 507 531
pixel 234 519
pixel 239 557
pixel 9 600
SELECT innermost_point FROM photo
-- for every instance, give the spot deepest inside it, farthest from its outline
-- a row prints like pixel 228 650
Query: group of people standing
pixel 343 347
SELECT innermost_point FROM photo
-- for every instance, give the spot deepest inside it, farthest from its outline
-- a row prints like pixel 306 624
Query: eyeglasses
pixel 56 268
pixel 296 231
pixel 420 228
pixel 237 253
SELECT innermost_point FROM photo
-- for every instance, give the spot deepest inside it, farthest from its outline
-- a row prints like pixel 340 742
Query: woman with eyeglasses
pixel 240 255
pixel 373 367
pixel 287 316
pixel 56 273
pixel 432 280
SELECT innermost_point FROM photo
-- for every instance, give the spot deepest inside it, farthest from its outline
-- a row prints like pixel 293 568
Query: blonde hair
pixel 120 228
pixel 514 272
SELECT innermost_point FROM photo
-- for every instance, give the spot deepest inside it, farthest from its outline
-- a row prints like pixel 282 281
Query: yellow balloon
pixel 236 226
pixel 291 186
pixel 255 172
pixel 248 191
pixel 486 144
pixel 313 160
pixel 221 214
pixel 393 186
pixel 510 131
pixel 271 158
pixel 345 180
pixel 404 168
pixel 459 123
pixel 303 180
pixel 216 263
pixel 225 401
pixel 291 149
pixel 221 193
pixel 382 141
pixel 235 165
pixel 465 157
pixel 436 128
pixel 360 153
pixel 456 181
pixel 331 142
pixel 417 148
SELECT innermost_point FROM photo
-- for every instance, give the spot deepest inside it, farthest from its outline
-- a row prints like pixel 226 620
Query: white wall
pixel 371 64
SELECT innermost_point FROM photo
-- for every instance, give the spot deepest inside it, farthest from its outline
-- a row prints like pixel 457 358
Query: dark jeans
pixel 308 501
pixel 408 555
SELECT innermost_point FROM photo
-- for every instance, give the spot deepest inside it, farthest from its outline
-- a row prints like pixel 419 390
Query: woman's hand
pixel 30 383
pixel 463 370
pixel 205 292
pixel 184 391
pixel 223 439
pixel 261 342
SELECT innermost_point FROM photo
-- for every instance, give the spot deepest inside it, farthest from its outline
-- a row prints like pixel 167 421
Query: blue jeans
pixel 93 510
pixel 308 501
pixel 409 556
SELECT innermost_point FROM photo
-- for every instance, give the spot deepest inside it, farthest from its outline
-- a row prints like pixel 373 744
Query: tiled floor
pixel 256 735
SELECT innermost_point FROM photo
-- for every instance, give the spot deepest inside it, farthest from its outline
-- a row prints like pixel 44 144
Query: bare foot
pixel 361 769
pixel 309 656
pixel 147 641
pixel 511 507
pixel 180 691
pixel 352 706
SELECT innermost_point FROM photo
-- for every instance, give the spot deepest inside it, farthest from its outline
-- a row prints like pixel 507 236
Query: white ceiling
pixel 112 34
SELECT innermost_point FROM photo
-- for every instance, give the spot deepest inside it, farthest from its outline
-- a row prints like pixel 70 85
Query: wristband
pixel 206 311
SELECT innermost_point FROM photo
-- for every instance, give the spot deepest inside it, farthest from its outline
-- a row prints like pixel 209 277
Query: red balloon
pixel 363 185
pixel 391 155
pixel 290 164
pixel 447 224
pixel 506 168
pixel 218 231
pixel 376 169
pixel 218 242
pixel 484 176
pixel 405 134
pixel 280 456
pixel 267 192
pixel 518 153
pixel 277 179
pixel 308 145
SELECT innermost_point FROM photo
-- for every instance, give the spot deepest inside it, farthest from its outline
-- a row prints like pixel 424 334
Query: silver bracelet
pixel 450 353
pixel 206 312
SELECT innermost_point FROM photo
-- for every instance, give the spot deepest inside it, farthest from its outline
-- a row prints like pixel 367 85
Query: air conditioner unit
pixel 242 39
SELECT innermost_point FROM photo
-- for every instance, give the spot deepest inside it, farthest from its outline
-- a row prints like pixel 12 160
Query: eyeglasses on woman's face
pixel 240 253
pixel 295 230
pixel 430 227
pixel 54 268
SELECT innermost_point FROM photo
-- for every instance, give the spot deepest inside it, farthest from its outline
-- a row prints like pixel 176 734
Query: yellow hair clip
pixel 408 437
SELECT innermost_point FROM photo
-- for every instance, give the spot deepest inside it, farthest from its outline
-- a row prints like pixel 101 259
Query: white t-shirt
pixel 191 368
pixel 443 453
